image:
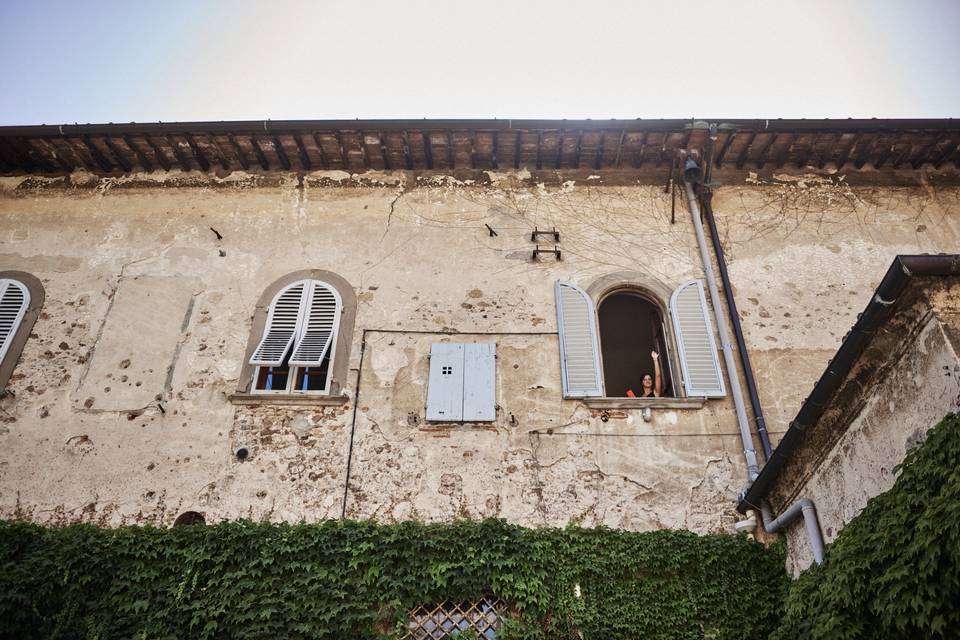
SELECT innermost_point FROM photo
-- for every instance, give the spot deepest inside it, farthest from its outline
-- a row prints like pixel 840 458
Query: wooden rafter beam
pixel 718 163
pixel 50 151
pixel 762 156
pixel 221 156
pixel 98 157
pixel 157 153
pixel 745 153
pixel 867 151
pixel 787 150
pixel 142 159
pixel 949 149
pixel 257 151
pixel 638 158
pixel 845 154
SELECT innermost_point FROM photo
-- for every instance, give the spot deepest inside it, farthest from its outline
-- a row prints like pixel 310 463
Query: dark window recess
pixel 630 328
pixel 447 371
pixel 188 518
pixel 481 617
pixel 307 378
pixel 273 378
pixel 313 378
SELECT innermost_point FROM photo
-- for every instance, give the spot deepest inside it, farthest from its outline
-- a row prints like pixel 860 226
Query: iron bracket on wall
pixel 536 233
pixel 555 251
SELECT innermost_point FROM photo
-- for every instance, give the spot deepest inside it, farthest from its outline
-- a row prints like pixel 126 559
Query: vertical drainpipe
pixel 707 196
pixel 737 329
pixel 749 452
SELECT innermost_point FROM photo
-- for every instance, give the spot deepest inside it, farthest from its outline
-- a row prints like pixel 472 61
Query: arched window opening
pixel 296 352
pixel 188 518
pixel 631 327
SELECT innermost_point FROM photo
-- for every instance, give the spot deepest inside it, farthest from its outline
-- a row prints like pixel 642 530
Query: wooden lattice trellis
pixel 446 620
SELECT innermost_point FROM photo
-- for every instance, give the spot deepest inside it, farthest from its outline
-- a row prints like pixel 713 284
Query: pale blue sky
pixel 84 61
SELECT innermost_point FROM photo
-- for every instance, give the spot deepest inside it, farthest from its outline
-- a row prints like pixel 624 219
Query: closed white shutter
pixel 322 317
pixel 698 350
pixel 579 348
pixel 283 324
pixel 14 300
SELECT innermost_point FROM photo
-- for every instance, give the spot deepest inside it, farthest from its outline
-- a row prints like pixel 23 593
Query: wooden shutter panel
pixel 14 299
pixel 283 322
pixel 579 349
pixel 698 350
pixel 445 384
pixel 480 382
pixel 321 319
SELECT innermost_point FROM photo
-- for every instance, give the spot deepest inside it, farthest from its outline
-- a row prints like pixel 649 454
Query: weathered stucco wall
pixel 119 408
pixel 917 393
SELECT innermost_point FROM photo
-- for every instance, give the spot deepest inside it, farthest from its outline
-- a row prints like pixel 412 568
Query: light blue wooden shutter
pixel 480 382
pixel 283 325
pixel 14 300
pixel 579 348
pixel 445 384
pixel 702 376
pixel 318 325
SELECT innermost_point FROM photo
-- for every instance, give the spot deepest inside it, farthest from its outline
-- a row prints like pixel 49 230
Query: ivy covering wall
pixel 357 580
pixel 894 570
pixel 893 573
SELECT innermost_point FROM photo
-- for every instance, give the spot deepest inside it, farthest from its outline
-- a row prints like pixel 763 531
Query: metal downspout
pixel 737 329
pixel 802 506
pixel 749 452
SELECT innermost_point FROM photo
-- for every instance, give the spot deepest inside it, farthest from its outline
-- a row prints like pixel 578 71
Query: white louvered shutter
pixel 698 350
pixel 579 349
pixel 319 327
pixel 14 300
pixel 282 327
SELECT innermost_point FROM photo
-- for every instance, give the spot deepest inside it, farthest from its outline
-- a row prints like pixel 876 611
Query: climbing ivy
pixel 894 571
pixel 343 579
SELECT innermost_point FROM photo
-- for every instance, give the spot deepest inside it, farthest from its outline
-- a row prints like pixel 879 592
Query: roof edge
pixel 877 312
pixel 495 124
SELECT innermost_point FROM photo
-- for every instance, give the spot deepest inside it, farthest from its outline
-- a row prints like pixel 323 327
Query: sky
pixel 180 60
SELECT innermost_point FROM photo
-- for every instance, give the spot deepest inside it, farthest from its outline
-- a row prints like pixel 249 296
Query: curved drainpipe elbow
pixel 802 507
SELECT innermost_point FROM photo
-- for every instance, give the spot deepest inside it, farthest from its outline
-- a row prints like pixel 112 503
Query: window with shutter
pixel 462 385
pixel 283 323
pixel 321 317
pixel 699 362
pixel 14 300
pixel 295 354
pixel 579 350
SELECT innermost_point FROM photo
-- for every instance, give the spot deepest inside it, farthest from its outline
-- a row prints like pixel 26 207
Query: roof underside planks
pixel 448 145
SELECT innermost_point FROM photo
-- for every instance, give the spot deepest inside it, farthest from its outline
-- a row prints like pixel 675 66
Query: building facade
pixel 277 326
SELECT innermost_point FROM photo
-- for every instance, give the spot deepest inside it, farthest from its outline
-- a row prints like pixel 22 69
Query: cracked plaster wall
pixel 918 392
pixel 421 259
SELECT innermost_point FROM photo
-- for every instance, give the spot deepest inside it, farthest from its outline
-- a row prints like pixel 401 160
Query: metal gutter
pixel 639 124
pixel 876 313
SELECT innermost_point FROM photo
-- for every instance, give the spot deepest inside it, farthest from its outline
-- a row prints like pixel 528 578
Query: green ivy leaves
pixel 894 570
pixel 340 580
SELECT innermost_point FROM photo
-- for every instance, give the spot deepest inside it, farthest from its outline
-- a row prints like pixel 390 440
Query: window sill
pixel 645 403
pixel 287 399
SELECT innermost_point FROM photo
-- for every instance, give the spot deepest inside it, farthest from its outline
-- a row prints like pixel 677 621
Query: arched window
pixel 296 351
pixel 605 348
pixel 21 296
pixel 300 340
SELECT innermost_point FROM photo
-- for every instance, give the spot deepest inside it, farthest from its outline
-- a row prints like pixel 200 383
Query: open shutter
pixel 579 349
pixel 698 350
pixel 282 326
pixel 14 299
pixel 319 326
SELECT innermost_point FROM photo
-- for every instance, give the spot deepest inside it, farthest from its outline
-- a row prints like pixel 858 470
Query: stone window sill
pixel 644 403
pixel 295 400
